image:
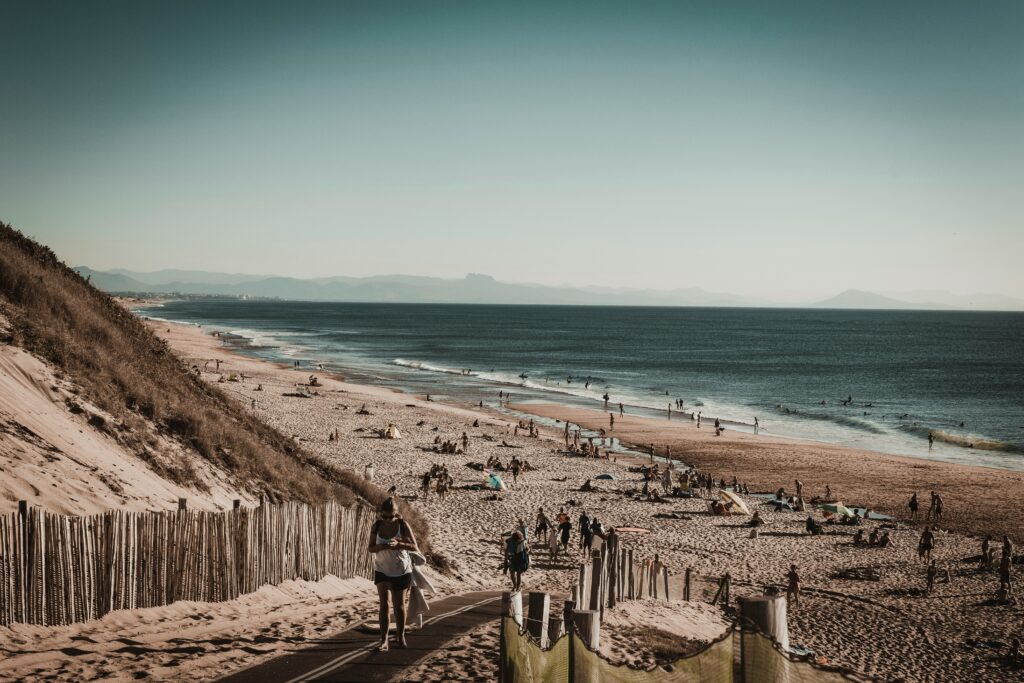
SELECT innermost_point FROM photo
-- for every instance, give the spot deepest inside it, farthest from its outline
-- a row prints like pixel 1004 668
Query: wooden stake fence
pixel 56 569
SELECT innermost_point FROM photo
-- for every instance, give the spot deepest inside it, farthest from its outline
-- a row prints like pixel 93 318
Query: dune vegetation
pixel 122 368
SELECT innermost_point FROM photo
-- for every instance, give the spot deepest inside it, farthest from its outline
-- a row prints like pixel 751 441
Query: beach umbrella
pixel 605 476
pixel 495 482
pixel 837 508
pixel 738 505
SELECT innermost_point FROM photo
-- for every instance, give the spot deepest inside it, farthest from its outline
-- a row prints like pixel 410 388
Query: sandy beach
pixel 972 496
pixel 885 627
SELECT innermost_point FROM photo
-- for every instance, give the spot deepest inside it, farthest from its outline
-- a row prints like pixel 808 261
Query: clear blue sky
pixel 761 148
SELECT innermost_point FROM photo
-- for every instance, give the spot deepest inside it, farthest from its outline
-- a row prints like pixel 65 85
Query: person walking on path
pixel 931 507
pixel 913 505
pixel 937 503
pixel 391 541
pixel 924 548
pixel 793 587
pixel 930 577
pixel 517 558
pixel 543 524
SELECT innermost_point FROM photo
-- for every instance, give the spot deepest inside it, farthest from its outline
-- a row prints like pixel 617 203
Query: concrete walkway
pixel 351 656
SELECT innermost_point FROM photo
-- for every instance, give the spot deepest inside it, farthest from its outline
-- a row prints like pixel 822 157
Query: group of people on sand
pixel 441 479
pixel 935 508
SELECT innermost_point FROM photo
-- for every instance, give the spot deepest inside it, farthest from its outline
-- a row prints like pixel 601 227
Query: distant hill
pixel 484 289
pixel 856 298
pixel 474 288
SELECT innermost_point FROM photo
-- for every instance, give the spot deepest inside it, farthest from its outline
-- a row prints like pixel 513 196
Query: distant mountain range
pixel 476 288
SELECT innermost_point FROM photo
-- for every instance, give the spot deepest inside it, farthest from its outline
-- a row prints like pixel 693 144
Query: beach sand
pixel 881 627
pixel 975 498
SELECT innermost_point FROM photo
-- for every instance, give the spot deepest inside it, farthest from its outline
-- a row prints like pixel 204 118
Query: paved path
pixel 351 656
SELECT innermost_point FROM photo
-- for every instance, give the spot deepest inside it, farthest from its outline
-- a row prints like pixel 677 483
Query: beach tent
pixel 838 509
pixel 738 506
pixel 392 432
pixel 605 476
pixel 495 482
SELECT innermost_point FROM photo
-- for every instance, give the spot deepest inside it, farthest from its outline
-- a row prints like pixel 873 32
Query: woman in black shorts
pixel 391 540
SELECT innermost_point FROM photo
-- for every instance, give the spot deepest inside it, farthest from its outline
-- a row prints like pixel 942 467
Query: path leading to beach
pixel 351 656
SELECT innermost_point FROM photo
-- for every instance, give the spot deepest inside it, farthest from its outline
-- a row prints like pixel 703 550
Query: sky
pixel 782 149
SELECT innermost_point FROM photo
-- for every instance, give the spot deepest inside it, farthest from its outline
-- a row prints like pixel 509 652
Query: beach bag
pixel 521 560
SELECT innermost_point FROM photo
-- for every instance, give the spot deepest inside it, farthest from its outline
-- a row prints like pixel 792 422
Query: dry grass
pixel 131 374
pixel 666 647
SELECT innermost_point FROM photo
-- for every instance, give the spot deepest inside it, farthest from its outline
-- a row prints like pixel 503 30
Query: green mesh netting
pixel 525 662
pixel 764 663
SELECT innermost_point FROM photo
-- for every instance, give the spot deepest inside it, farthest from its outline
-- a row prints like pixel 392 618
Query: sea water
pixel 879 380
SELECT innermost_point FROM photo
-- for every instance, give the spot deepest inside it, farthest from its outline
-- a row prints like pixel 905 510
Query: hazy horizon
pixel 803 149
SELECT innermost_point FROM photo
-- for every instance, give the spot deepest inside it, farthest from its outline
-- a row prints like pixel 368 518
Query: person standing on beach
pixel 586 538
pixel 924 548
pixel 565 530
pixel 543 524
pixel 757 425
pixel 606 400
pixel 611 421
pixel 517 558
pixel 938 508
pixel 621 410
pixel 465 442
pixel 913 505
pixel 391 541
pixel 1005 577
pixel 828 492
pixel 698 419
pixel 793 587
pixel 930 577
pixel 799 489
pixel 931 507
pixel 670 411
pixel 515 466
pixel 931 440
pixel 1007 547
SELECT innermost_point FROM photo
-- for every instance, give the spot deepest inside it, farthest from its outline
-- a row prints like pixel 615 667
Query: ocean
pixel 878 380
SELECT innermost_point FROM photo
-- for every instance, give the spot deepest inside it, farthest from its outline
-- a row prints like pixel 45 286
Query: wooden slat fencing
pixel 57 569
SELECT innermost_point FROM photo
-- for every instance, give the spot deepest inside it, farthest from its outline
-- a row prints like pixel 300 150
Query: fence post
pixel 182 503
pixel 631 569
pixel 686 584
pixel 664 572
pixel 537 619
pixel 613 566
pixel 26 562
pixel 595 579
pixel 236 504
pixel 588 624
pixel 570 632
pixel 504 675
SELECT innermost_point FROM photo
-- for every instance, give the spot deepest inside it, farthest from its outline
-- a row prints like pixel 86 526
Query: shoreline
pixel 908 440
pixel 880 481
